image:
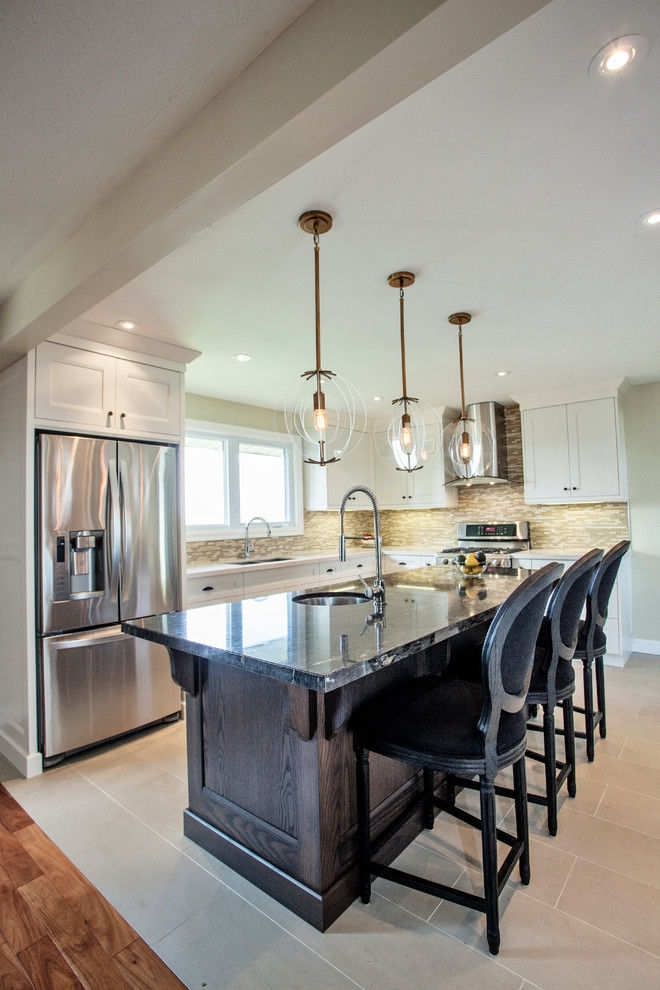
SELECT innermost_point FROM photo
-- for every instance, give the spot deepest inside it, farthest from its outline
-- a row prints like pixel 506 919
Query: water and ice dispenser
pixel 79 570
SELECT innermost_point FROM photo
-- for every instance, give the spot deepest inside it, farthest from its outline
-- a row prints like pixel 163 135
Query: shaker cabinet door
pixel 75 386
pixel 148 398
pixel 593 449
pixel 545 454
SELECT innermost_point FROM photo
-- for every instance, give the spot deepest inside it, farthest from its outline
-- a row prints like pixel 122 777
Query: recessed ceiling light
pixel 127 324
pixel 649 219
pixel 501 374
pixel 378 398
pixel 617 56
pixel 242 357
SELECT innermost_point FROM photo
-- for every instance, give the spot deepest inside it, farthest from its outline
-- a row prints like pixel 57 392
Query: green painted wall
pixel 233 413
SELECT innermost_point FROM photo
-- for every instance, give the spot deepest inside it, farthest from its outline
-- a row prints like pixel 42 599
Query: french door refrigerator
pixel 107 551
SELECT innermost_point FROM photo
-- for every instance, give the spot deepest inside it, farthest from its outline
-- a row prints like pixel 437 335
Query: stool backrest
pixel 598 598
pixel 561 625
pixel 508 653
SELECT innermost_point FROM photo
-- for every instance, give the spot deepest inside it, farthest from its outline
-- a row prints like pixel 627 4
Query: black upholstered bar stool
pixel 552 684
pixel 553 680
pixel 592 645
pixel 460 727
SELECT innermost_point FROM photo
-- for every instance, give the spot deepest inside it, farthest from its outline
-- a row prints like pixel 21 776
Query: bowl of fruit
pixel 471 563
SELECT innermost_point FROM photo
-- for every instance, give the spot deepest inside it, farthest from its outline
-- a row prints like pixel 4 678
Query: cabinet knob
pixel 111 413
pixel 575 488
pixel 566 488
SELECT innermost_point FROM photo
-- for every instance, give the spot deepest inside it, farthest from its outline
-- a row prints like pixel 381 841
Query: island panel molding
pixel 271 688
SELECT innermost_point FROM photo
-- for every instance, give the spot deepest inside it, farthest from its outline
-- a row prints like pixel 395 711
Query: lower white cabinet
pixel 225 586
pixel 406 559
pixel 252 581
pixel 616 654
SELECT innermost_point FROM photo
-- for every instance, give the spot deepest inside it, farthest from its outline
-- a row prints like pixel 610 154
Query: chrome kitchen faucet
pixel 378 590
pixel 247 528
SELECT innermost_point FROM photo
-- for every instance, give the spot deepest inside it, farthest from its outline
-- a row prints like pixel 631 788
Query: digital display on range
pixel 491 529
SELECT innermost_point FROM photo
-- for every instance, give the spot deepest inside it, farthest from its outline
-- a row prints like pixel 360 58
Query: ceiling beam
pixel 337 67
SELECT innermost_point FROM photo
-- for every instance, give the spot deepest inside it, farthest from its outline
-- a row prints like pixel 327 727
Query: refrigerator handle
pixel 126 531
pixel 113 530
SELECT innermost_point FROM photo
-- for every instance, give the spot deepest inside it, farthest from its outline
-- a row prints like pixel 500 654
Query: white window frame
pixel 232 436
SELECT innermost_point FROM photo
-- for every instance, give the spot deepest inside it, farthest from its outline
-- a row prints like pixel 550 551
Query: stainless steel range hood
pixel 490 414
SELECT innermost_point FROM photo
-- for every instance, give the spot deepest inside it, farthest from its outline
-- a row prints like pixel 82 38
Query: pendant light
pixel 414 435
pixel 326 416
pixel 470 443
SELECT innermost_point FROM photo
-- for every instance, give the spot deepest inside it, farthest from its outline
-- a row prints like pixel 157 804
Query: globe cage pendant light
pixel 327 422
pixel 414 435
pixel 470 443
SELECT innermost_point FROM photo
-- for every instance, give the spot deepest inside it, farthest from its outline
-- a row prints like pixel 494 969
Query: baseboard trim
pixel 646 646
pixel 27 764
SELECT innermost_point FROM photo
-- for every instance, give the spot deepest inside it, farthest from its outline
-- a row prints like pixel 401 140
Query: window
pixel 233 474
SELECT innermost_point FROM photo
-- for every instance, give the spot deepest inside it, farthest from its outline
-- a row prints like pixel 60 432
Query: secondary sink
pixel 260 560
pixel 340 598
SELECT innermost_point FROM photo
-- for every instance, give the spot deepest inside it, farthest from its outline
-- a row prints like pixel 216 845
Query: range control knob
pixel 495 562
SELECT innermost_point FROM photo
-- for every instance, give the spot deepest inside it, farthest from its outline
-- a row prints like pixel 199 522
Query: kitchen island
pixel 271 684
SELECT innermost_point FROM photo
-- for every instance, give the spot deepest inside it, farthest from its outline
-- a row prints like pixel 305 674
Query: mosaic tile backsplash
pixel 552 527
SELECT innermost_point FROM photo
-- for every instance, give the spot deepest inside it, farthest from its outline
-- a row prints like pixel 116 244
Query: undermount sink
pixel 340 598
pixel 259 560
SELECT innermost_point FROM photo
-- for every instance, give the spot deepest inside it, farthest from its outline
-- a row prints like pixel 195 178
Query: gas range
pixel 497 540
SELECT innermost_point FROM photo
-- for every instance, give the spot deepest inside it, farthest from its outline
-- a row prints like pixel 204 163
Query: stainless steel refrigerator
pixel 107 551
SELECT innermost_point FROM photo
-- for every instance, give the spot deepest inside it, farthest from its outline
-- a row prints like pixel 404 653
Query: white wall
pixel 18 729
pixel 641 417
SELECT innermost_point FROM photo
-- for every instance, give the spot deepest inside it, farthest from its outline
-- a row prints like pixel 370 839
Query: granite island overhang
pixel 271 684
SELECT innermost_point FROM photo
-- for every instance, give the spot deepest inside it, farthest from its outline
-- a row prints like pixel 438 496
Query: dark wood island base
pixel 271 781
pixel 271 686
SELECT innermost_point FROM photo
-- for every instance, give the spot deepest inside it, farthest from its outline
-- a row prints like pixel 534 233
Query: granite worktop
pixel 325 647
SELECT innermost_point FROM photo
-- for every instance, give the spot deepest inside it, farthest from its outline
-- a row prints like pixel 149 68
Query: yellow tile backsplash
pixel 552 526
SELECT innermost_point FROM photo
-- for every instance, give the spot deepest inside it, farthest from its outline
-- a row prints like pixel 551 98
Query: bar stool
pixel 457 726
pixel 552 684
pixel 592 645
pixel 553 680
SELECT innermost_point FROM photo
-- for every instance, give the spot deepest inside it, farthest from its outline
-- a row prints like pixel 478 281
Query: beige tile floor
pixel 590 917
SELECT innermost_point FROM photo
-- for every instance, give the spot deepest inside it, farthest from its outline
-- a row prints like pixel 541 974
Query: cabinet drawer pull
pixel 209 587
pixel 329 570
pixel 360 565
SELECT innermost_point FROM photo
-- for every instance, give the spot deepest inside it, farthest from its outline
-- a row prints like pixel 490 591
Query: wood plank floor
pixel 57 932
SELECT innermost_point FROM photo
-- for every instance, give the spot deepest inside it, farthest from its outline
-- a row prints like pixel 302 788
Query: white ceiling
pixel 510 186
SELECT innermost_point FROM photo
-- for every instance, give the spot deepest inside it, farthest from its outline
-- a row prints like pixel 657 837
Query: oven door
pixel 101 683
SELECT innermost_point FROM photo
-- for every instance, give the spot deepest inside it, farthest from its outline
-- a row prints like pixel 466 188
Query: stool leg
pixel 429 780
pixel 522 823
pixel 569 744
pixel 550 766
pixel 600 694
pixel 588 708
pixel 489 854
pixel 363 822
pixel 450 785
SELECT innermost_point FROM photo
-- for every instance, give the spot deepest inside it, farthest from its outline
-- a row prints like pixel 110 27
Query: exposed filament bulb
pixel 320 415
pixel 406 431
pixel 465 448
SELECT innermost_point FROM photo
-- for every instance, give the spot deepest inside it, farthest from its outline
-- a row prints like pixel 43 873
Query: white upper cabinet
pixel 572 452
pixel 93 390
pixel 326 486
pixel 423 489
